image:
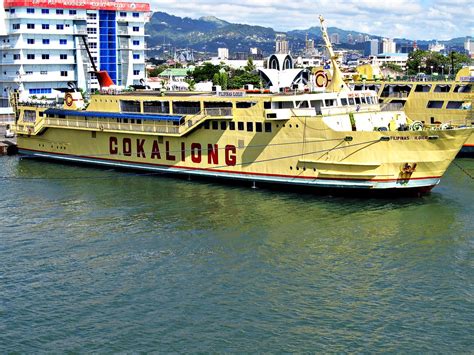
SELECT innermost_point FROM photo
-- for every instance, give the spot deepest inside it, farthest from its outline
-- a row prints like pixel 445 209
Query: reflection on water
pixel 97 259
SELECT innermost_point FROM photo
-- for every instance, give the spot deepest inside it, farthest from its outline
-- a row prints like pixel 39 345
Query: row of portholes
pixel 303 168
pixel 284 125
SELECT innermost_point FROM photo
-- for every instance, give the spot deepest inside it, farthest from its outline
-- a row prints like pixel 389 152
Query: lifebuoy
pixel 416 126
pixel 68 99
pixel 321 79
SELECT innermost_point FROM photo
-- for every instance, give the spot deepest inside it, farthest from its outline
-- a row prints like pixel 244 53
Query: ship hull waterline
pixel 318 171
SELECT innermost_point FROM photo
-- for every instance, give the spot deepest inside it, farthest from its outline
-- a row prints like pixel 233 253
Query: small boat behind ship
pixel 331 140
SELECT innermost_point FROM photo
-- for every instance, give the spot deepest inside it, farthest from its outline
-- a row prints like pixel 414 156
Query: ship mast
pixel 337 84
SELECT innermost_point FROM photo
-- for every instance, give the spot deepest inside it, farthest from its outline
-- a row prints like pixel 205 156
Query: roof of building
pixel 175 72
pixel 403 55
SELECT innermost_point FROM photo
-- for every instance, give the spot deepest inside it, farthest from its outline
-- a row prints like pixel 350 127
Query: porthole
pixel 291 168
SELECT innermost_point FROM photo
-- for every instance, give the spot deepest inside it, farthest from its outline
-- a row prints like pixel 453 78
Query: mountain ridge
pixel 208 33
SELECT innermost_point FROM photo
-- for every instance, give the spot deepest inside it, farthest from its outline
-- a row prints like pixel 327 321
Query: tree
pixel 250 67
pixel 221 78
pixel 396 68
pixel 238 81
pixel 157 70
pixel 432 62
pixel 205 72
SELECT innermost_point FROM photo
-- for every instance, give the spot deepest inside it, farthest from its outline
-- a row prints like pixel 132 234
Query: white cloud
pixel 414 19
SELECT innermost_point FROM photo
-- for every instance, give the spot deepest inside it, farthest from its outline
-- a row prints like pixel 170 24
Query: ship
pixel 337 140
pixel 435 102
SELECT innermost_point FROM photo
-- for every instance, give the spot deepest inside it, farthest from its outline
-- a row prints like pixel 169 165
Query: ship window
pixel 271 115
pixel 245 104
pixel 215 125
pixel 267 105
pixel 302 104
pixel 454 105
pixel 218 108
pixel 329 102
pixel 268 127
pixel 285 104
pixel 206 125
pixel 344 101
pixel 363 100
pixel 223 125
pixel 351 101
pixel 29 116
pixel 423 88
pixel 258 127
pixel 435 104
pixel 232 126
pixel 139 121
pixel 94 134
pixel 156 107
pixel 186 107
pixel 463 88
pixel 125 120
pixel 357 100
pixel 240 126
pixel 442 88
pixel 249 126
pixel 129 106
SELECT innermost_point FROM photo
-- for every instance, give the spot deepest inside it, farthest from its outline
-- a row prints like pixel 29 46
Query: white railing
pixel 113 125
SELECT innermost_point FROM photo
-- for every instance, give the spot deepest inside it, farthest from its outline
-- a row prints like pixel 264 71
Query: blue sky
pixel 413 19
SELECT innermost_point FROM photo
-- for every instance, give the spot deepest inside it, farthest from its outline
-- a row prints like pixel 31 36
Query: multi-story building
pixel 388 46
pixel 223 53
pixel 371 47
pixel 281 44
pixel 42 44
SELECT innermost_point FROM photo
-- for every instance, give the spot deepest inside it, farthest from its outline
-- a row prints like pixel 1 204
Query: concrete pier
pixel 8 146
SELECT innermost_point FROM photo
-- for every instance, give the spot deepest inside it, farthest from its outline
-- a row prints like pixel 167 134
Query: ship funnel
pixel 104 79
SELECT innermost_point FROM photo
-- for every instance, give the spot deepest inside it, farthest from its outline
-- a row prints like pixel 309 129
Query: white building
pixel 399 59
pixel 223 53
pixel 388 46
pixel 469 45
pixel 281 45
pixel 436 47
pixel 42 44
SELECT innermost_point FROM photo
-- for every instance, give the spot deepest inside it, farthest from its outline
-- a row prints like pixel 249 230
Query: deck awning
pixel 113 115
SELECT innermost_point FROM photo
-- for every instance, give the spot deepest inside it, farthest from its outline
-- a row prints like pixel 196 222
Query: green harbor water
pixel 95 260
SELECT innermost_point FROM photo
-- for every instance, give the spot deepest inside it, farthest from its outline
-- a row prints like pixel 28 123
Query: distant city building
pixel 335 38
pixel 399 59
pixel 436 47
pixel 359 38
pixel 256 53
pixel 469 45
pixel 241 56
pixel 42 44
pixel 371 47
pixel 350 39
pixel 281 44
pixel 388 46
pixel 223 53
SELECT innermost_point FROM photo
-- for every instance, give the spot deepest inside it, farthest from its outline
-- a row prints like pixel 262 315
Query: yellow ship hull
pixel 293 153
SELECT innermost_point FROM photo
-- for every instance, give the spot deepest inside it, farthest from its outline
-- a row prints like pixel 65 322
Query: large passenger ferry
pixel 338 139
